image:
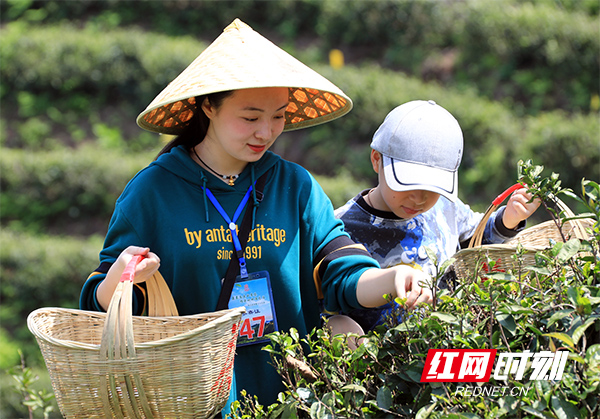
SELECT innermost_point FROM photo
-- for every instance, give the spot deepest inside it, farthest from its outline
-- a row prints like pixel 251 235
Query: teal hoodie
pixel 165 207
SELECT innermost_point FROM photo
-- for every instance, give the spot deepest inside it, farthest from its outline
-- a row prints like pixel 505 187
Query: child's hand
pixel 519 208
pixel 411 284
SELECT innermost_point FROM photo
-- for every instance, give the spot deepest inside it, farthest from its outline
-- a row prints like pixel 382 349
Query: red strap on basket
pixel 478 234
pixel 500 198
pixel 129 271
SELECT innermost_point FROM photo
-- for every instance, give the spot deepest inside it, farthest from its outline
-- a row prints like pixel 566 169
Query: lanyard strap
pixel 239 252
pixel 245 228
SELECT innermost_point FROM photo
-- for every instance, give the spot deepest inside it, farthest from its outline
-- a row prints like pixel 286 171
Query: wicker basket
pixel 115 365
pixel 546 234
pixel 471 260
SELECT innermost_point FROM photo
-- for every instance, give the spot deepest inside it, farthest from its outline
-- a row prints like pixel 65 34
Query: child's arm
pixel 399 281
pixel 143 271
pixel 518 208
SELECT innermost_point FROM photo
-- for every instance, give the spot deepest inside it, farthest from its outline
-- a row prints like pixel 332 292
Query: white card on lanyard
pixel 255 294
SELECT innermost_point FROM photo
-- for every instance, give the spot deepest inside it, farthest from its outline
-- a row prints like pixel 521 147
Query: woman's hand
pixel 143 271
pixel 518 208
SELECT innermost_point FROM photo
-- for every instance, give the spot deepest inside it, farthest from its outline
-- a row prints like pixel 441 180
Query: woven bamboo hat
pixel 241 58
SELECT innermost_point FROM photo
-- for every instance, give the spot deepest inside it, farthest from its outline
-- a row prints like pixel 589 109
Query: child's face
pixel 405 204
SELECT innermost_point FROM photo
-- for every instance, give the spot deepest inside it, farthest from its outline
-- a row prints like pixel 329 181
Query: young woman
pixel 185 209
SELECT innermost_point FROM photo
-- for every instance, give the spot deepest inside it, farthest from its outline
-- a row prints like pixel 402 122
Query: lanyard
pixel 232 226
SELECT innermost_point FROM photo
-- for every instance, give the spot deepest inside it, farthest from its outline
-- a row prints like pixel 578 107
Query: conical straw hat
pixel 241 58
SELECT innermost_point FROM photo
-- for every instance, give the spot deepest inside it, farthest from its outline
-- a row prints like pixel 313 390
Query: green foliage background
pixel 521 76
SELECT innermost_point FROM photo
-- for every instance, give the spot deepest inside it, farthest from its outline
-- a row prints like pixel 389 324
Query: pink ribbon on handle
pixel 129 271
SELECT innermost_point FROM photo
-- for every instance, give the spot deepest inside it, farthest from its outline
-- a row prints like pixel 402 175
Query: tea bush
pixel 29 392
pixel 570 142
pixel 537 54
pixel 342 187
pixel 529 53
pixel 40 271
pixel 68 79
pixel 552 306
pixel 64 191
pixel 494 135
pixel 123 65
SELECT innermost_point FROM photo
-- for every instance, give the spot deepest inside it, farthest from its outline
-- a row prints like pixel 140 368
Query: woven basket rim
pixel 33 327
pixel 549 225
pixel 498 247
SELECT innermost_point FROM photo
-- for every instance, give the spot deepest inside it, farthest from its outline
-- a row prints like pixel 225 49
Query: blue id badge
pixel 254 293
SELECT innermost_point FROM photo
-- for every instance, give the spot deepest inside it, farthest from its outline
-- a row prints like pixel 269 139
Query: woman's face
pixel 247 123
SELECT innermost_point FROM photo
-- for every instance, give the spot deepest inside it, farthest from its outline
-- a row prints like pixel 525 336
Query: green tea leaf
pixel 507 321
pixel 515 309
pixel 445 317
pixel 534 329
pixel 563 337
pixel 564 409
pixel 384 398
pixel 539 270
pixel 534 412
pixel 574 295
pixel 425 411
pixel 592 355
pixel 558 316
pixel 568 250
pixel 581 329
pixel 354 388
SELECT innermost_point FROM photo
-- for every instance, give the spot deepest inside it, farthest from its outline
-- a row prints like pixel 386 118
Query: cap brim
pixel 403 176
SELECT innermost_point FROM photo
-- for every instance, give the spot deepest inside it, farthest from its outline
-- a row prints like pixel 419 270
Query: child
pixel 416 153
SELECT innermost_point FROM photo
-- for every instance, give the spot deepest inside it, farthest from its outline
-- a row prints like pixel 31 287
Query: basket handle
pixel 118 344
pixel 478 235
pixel 160 300
pixel 578 227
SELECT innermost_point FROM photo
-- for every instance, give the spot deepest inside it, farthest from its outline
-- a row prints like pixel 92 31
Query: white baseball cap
pixel 422 146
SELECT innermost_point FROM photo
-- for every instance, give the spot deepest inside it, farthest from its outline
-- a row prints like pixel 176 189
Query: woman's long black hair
pixel 197 127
